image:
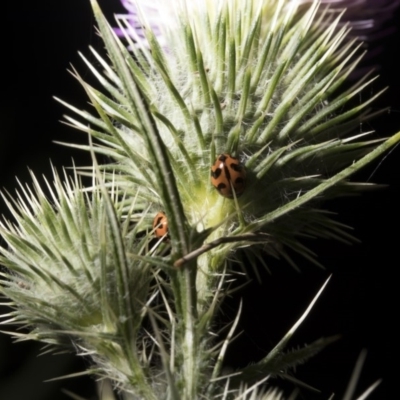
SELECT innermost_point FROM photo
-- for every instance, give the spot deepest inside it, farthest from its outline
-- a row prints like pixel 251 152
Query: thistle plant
pixel 131 269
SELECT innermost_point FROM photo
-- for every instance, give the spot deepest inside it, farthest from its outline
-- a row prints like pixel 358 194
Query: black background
pixel 39 41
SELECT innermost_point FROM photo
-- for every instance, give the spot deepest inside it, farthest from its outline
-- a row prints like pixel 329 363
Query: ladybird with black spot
pixel 228 174
pixel 160 225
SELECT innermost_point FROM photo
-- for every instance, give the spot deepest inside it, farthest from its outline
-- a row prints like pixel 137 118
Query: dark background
pixel 39 41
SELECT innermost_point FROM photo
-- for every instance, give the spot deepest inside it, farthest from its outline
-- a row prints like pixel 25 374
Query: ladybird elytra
pixel 228 174
pixel 160 225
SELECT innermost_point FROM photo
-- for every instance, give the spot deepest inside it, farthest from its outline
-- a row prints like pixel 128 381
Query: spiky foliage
pixel 75 275
pixel 257 80
pixel 260 80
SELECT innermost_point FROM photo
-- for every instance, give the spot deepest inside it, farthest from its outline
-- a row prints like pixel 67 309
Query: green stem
pixel 190 337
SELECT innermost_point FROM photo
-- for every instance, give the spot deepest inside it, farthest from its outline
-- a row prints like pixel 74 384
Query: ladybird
pixel 160 225
pixel 227 173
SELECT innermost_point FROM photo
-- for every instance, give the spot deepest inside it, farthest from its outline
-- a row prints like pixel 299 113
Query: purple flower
pixel 368 18
pixel 132 23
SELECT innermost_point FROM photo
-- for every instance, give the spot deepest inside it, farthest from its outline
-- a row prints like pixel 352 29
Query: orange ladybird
pixel 160 225
pixel 227 173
